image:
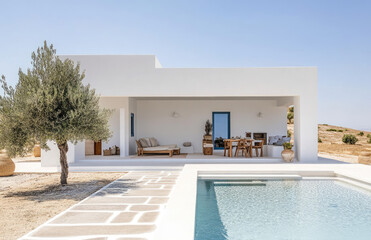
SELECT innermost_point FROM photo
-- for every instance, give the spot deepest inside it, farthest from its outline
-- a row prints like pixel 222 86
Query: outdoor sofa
pixel 151 146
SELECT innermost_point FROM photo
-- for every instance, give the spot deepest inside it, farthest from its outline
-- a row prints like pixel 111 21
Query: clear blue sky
pixel 333 35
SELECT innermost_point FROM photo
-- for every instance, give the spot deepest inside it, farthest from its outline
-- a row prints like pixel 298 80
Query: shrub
pixel 340 130
pixel 369 140
pixel 287 145
pixel 349 139
pixel 369 135
pixel 346 130
pixel 319 140
pixel 361 134
pixel 290 117
pixel 289 133
pixel 331 130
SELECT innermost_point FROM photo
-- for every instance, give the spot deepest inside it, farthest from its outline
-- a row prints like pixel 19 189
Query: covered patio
pixel 180 121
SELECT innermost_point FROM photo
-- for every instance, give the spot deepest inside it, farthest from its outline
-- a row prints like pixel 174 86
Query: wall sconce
pixel 260 114
pixel 175 114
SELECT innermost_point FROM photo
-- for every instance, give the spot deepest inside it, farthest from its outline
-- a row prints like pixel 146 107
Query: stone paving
pixel 127 209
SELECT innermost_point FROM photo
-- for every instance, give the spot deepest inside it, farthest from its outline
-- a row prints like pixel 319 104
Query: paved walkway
pixel 128 208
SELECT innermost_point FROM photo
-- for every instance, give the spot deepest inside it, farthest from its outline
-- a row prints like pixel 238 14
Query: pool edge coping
pixel 178 219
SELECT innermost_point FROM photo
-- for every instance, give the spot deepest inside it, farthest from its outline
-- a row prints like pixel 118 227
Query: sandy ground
pixel 28 200
pixel 333 147
pixel 339 157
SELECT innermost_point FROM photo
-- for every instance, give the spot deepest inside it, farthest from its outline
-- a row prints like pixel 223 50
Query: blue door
pixel 221 128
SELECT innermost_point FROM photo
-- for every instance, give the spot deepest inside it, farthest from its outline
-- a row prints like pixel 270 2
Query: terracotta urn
pixel 365 157
pixel 208 137
pixel 7 166
pixel 287 155
pixel 37 151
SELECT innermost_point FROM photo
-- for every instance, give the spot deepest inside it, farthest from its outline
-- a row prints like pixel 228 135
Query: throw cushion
pixel 273 139
pixel 279 143
pixel 153 141
pixel 187 144
pixel 144 142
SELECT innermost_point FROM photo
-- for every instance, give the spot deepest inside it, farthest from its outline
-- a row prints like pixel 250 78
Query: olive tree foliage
pixel 50 103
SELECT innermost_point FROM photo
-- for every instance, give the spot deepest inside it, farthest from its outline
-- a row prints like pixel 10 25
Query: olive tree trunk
pixel 63 149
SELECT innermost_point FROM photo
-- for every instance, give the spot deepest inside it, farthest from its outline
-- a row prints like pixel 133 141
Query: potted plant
pixel 287 153
pixel 7 166
pixel 208 129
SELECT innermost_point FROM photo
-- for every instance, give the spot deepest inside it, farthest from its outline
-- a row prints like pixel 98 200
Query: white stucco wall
pixel 143 76
pixel 51 157
pixel 115 104
pixel 154 118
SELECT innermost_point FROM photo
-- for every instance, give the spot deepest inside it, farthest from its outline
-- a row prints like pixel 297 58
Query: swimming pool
pixel 281 209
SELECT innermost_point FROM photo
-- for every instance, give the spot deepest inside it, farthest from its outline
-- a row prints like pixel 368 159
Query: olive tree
pixel 50 103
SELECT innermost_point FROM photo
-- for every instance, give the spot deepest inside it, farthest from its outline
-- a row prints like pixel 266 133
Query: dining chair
pixel 227 147
pixel 242 146
pixel 258 144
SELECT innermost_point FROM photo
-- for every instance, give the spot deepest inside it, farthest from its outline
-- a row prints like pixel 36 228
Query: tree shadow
pixel 72 191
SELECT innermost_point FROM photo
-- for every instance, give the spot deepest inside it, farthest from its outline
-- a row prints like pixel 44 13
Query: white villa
pixel 173 104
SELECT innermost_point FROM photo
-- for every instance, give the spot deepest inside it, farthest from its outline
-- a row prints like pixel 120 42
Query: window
pixel 221 128
pixel 132 124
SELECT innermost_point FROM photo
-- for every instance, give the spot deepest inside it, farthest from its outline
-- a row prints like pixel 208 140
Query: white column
pixel 306 128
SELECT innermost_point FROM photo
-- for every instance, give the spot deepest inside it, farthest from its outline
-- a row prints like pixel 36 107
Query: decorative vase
pixel 288 155
pixel 364 157
pixel 208 137
pixel 7 166
pixel 37 151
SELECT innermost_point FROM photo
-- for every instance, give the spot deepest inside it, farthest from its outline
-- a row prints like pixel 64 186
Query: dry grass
pixel 332 145
pixel 332 141
pixel 28 200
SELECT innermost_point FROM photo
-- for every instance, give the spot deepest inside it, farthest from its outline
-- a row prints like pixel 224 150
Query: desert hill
pixel 330 142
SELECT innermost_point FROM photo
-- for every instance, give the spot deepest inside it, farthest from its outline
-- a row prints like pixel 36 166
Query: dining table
pixel 237 140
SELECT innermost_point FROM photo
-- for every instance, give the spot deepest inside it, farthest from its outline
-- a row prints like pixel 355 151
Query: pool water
pixel 283 209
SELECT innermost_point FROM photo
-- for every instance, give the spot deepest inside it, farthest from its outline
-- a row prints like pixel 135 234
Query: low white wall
pixel 154 118
pixel 51 157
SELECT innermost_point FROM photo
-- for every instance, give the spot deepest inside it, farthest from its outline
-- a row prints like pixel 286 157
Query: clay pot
pixel 288 155
pixel 208 137
pixel 365 157
pixel 37 151
pixel 7 166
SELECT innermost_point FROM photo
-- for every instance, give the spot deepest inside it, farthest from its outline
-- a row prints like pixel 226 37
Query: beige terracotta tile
pixel 76 231
pixel 82 217
pixel 150 185
pixel 131 238
pixel 158 200
pixel 170 178
pixel 167 181
pixel 98 238
pixel 108 200
pixel 100 207
pixel 141 208
pixel 124 217
pixel 148 217
pixel 139 192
